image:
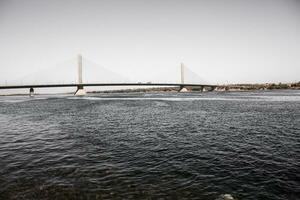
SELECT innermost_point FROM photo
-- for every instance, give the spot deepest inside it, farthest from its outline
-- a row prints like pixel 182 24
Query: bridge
pixel 80 84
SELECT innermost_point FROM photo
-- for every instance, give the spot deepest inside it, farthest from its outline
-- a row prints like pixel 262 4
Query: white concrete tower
pixel 79 64
pixel 80 91
pixel 182 89
pixel 182 73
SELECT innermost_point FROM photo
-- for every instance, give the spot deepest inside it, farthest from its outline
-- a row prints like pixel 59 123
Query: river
pixel 151 146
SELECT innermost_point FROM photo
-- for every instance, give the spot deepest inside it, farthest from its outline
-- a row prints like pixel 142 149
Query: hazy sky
pixel 225 41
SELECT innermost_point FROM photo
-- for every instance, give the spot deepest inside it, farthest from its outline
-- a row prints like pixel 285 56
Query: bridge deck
pixel 103 84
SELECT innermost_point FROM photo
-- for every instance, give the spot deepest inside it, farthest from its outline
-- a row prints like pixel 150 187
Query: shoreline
pixel 220 88
pixel 265 86
pixel 151 91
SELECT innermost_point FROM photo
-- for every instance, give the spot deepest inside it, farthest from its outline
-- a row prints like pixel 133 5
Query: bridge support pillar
pixel 80 91
pixel 183 89
pixel 201 88
pixel 209 88
pixel 31 92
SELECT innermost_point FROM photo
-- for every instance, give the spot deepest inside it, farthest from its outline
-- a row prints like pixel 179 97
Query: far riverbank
pixel 228 87
pixel 219 88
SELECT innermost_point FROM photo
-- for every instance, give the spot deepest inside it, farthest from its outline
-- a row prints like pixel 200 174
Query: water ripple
pixel 151 146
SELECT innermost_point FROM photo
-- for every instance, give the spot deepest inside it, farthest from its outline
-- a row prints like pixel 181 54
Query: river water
pixel 151 146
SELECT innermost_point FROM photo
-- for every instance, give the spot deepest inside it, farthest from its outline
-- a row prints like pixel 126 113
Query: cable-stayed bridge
pixel 74 73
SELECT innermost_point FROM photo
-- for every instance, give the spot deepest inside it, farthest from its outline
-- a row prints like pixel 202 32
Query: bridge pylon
pixel 80 90
pixel 31 92
pixel 182 88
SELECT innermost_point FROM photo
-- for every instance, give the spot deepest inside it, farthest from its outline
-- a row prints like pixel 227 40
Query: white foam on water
pixel 136 98
pixel 240 98
pixel 159 98
pixel 272 98
pixel 19 99
pixel 225 197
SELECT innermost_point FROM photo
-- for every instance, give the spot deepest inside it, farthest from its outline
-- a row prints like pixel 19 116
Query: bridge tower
pixel 182 73
pixel 31 92
pixel 80 90
pixel 182 88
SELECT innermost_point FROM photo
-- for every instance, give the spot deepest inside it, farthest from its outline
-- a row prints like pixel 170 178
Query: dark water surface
pixel 151 146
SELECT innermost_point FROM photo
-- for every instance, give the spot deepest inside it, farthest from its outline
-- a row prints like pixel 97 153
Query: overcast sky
pixel 225 41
